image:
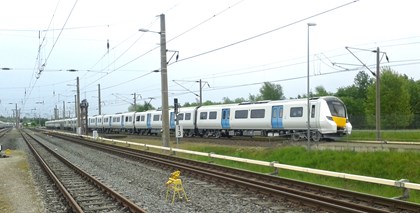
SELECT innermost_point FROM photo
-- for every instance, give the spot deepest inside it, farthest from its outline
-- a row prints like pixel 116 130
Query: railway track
pixel 4 131
pixel 83 192
pixel 315 196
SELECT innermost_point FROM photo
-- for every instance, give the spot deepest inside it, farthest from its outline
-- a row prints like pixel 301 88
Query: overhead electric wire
pixel 203 22
pixel 121 56
pixel 105 88
pixel 262 34
pixel 61 31
pixel 31 87
pixel 38 58
pixel 142 55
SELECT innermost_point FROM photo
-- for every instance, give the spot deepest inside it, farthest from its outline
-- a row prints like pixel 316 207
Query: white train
pixel 5 125
pixel 328 119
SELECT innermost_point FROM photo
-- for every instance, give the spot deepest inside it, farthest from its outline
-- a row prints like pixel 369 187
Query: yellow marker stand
pixel 8 152
pixel 174 184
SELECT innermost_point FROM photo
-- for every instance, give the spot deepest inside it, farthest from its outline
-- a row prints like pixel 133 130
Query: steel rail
pixel 121 199
pixel 243 180
pixel 72 203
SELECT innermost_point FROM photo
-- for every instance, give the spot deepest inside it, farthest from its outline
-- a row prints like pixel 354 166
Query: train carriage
pixel 327 115
pixel 141 123
pixel 187 119
pixel 128 120
pixel 92 124
pixel 154 121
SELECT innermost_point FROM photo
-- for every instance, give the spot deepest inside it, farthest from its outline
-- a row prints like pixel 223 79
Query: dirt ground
pixel 17 189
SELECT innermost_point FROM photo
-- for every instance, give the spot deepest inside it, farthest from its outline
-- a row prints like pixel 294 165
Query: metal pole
pixel 75 106
pixel 135 102
pixel 201 94
pixel 309 107
pixel 17 117
pixel 78 103
pixel 64 109
pixel 164 83
pixel 99 98
pixel 378 97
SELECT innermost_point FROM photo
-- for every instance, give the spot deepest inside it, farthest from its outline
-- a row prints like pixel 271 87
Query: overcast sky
pixel 253 42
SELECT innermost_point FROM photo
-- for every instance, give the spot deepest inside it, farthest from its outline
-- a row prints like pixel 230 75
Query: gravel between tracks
pixel 142 183
pixel 146 185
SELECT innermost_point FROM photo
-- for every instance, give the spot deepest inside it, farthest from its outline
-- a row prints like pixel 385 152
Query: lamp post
pixel 164 81
pixel 309 114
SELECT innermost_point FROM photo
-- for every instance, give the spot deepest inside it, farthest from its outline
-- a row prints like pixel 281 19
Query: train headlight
pixel 330 118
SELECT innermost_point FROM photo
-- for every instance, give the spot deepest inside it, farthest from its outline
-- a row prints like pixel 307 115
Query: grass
pixel 388 135
pixel 388 165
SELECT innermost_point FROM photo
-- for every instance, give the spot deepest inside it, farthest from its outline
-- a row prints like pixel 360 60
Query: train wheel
pixel 217 134
pixel 295 136
pixel 316 136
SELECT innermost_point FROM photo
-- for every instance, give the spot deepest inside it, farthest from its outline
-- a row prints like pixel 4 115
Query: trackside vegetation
pixel 388 165
pixel 386 135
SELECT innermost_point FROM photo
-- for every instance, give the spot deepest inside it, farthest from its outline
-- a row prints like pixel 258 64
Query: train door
pixel 225 118
pixel 109 121
pixel 172 121
pixel 122 121
pixel 314 116
pixel 148 120
pixel 277 117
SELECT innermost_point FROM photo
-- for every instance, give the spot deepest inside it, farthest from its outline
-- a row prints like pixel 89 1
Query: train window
pixel 337 108
pixel 155 117
pixel 296 112
pixel 258 113
pixel 180 116
pixel 313 111
pixel 138 118
pixel 126 119
pixel 118 119
pixel 241 114
pixel 213 115
pixel 203 115
pixel 187 116
pixel 142 118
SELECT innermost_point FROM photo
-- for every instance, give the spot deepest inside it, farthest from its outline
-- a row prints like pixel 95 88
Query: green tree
pixel 414 90
pixel 271 91
pixel 354 104
pixel 320 91
pixel 141 107
pixel 226 100
pixel 395 101
pixel 362 81
pixel 354 97
pixel 254 98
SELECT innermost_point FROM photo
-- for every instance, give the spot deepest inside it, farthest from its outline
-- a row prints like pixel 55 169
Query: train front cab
pixel 336 121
